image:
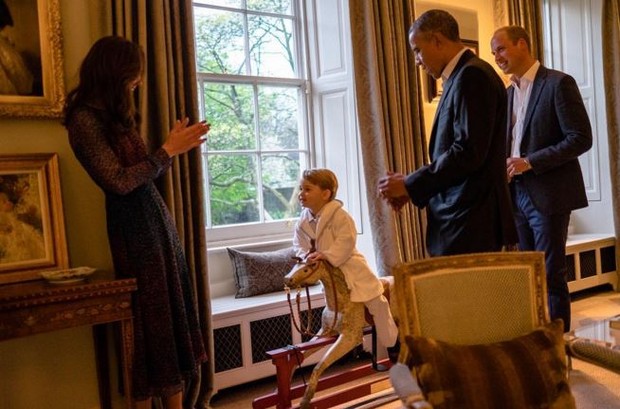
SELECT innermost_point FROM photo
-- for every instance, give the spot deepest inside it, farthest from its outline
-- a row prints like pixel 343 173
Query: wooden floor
pixel 241 396
pixel 587 306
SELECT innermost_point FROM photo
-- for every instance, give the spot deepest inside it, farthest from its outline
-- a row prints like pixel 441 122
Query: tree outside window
pixel 252 89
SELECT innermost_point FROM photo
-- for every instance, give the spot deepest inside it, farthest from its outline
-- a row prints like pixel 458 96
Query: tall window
pixel 252 89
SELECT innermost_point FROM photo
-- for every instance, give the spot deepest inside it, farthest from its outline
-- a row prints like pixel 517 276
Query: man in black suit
pixel 464 188
pixel 548 128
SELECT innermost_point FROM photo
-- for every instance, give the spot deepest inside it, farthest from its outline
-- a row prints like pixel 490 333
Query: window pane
pixel 252 92
pixel 219 41
pixel 272 6
pixel 272 47
pixel 280 185
pixel 279 117
pixel 223 3
pixel 229 108
pixel 233 189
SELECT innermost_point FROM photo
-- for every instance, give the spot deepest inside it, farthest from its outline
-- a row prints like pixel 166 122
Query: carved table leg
pixel 102 365
pixel 127 361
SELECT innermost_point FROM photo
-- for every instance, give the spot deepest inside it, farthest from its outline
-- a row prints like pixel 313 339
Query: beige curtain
pixel 390 121
pixel 611 71
pixel 524 13
pixel 164 29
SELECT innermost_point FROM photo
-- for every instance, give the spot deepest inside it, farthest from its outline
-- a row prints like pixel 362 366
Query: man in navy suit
pixel 548 128
pixel 464 188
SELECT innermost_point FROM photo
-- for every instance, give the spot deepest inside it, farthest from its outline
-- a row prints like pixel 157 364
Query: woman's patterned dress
pixel 145 245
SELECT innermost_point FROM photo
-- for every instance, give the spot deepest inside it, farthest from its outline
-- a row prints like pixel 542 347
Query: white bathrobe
pixel 336 237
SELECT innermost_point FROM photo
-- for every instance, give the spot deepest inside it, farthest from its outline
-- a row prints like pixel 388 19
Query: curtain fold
pixel 164 29
pixel 524 13
pixel 390 121
pixel 611 72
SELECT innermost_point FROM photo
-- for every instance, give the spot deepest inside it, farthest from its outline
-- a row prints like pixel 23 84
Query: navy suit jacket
pixel 464 188
pixel 556 130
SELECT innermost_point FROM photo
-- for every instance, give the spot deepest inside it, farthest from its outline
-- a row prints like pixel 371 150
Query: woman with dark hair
pixel 103 131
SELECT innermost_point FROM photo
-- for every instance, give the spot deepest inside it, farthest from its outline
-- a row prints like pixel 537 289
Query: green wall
pixel 57 370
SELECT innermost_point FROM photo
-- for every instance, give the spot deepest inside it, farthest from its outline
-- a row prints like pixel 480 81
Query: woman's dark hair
pixel 105 74
pixel 5 15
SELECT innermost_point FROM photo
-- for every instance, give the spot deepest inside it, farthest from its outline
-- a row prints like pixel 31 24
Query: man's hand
pixel 516 166
pixel 397 203
pixel 392 189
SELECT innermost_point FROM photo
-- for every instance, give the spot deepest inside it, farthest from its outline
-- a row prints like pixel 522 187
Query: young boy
pixel 325 231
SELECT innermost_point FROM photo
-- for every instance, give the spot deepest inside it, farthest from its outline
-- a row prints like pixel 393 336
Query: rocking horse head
pixel 336 292
pixel 304 274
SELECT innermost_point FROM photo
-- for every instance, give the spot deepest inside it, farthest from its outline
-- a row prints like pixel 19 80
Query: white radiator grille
pixel 269 333
pixel 587 261
pixel 608 259
pixel 227 346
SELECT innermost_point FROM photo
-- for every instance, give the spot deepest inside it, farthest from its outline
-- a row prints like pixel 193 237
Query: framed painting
pixel 434 87
pixel 32 230
pixel 31 67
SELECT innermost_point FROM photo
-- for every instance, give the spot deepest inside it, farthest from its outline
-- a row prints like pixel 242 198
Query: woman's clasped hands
pixel 184 137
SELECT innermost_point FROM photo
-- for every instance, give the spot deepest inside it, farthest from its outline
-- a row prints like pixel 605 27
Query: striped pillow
pixel 524 373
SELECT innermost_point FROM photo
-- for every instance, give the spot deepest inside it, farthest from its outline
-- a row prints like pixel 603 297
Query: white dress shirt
pixel 522 89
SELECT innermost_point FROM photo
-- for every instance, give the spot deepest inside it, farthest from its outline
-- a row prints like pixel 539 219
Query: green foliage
pixel 252 119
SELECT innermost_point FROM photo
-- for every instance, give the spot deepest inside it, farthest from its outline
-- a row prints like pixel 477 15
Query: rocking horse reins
pixel 307 331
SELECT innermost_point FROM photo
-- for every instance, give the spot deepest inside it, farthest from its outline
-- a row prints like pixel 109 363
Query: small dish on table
pixel 67 276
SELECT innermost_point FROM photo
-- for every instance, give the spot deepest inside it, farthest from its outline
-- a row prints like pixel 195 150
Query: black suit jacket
pixel 556 130
pixel 464 187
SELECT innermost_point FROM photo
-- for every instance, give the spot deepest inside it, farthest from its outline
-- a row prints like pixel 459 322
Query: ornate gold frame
pixel 31 182
pixel 50 105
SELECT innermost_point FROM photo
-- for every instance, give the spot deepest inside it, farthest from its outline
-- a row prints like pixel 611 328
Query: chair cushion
pixel 260 272
pixel 526 372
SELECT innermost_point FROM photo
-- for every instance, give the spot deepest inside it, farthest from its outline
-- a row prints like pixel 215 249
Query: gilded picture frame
pixel 434 87
pixel 31 40
pixel 32 230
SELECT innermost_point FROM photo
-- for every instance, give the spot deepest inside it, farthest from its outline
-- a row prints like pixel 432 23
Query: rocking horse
pixel 341 318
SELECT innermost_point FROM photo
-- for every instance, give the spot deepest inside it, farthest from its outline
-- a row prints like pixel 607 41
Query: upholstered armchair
pixel 475 333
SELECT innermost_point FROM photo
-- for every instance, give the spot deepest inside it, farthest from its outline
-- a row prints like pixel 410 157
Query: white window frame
pixel 262 231
pixel 330 125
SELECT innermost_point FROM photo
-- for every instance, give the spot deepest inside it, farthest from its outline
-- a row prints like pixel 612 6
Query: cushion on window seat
pixel 260 272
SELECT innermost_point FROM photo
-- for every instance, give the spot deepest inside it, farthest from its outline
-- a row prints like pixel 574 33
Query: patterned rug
pixel 594 387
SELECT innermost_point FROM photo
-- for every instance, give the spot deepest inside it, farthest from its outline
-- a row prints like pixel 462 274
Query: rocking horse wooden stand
pixel 343 325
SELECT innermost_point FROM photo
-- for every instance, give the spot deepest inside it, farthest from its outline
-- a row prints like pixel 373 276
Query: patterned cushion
pixel 260 272
pixel 525 372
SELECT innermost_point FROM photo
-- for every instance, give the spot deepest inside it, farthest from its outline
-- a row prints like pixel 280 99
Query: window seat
pixel 226 306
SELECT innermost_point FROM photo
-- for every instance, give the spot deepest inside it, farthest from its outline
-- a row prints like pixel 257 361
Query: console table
pixel 34 307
